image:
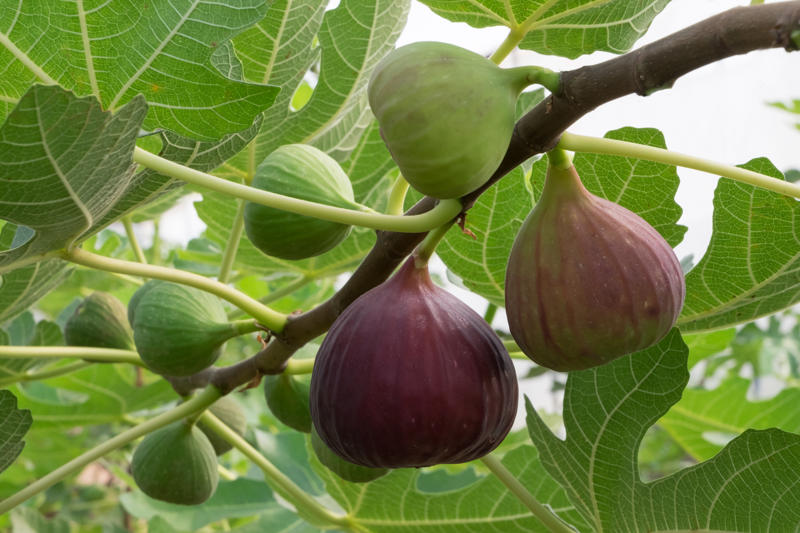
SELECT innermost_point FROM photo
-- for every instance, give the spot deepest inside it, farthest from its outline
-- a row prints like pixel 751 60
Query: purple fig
pixel 410 376
pixel 588 280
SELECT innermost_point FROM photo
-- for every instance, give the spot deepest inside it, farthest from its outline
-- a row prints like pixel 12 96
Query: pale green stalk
pixel 597 145
pixel 44 374
pixel 100 355
pixel 287 488
pixel 299 366
pixel 444 211
pixel 425 249
pixel 279 293
pixel 198 403
pixel 247 325
pixel 397 196
pixel 137 250
pixel 511 41
pixel 268 317
pixel 232 245
pixel 542 512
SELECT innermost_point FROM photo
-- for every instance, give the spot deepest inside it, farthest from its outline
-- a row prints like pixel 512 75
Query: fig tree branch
pixel 642 71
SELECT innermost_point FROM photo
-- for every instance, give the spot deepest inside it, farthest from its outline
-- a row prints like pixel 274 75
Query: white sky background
pixel 719 112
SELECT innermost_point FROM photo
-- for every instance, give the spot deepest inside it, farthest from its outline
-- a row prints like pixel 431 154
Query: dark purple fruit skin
pixel 588 280
pixel 410 376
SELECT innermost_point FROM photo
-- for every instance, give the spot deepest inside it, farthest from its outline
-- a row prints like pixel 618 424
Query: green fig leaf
pixel 14 424
pixel 608 409
pixel 567 28
pixel 750 260
pixel 395 503
pixel 81 167
pixel 705 420
pixel 118 50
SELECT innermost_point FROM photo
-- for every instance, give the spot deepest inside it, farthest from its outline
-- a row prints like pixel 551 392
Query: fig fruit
pixel 230 412
pixel 176 464
pixel 410 376
pixel 446 114
pixel 304 172
pixel 588 280
pixel 344 469
pixel 179 330
pixel 287 398
pixel 99 321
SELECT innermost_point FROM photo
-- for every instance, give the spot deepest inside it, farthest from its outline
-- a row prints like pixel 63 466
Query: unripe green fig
pixel 287 398
pixel 230 412
pixel 307 173
pixel 134 301
pixel 446 115
pixel 180 330
pixel 588 280
pixel 176 464
pixel 99 321
pixel 344 469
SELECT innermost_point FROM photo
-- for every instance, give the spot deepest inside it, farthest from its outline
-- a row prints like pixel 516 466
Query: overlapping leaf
pixel 607 411
pixel 353 38
pixel 117 50
pixel 64 162
pixel 14 424
pixel 568 28
pixel 394 503
pixel 752 265
pixel 25 332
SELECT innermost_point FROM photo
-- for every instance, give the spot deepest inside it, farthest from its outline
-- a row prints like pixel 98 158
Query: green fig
pixel 176 464
pixel 99 321
pixel 342 468
pixel 134 301
pixel 230 412
pixel 287 398
pixel 304 172
pixel 180 330
pixel 588 280
pixel 446 114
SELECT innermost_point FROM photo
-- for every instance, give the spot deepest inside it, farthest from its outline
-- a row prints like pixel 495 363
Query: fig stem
pixel 540 511
pixel 245 326
pixel 127 223
pixel 44 374
pixel 511 41
pixel 559 158
pixel 397 196
pixel 597 145
pixel 488 315
pixel 199 402
pixel 232 245
pixel 428 245
pixel 91 354
pixel 444 211
pixel 285 486
pixel 299 366
pixel 270 318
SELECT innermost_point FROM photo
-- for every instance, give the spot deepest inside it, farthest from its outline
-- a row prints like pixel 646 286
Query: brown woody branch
pixel 652 67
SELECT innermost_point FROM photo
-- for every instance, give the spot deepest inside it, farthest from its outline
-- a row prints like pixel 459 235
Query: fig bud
pixel 307 173
pixel 176 464
pixel 446 115
pixel 99 321
pixel 410 376
pixel 588 280
pixel 287 398
pixel 179 330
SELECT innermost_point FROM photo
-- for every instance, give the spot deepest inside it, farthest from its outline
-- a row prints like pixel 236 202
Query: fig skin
pixel 307 173
pixel 176 464
pixel 230 412
pixel 179 330
pixel 588 280
pixel 287 398
pixel 99 321
pixel 410 376
pixel 446 114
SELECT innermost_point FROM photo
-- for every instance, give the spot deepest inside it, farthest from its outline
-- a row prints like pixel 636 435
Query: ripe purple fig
pixel 588 280
pixel 410 376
